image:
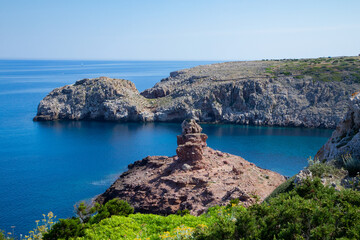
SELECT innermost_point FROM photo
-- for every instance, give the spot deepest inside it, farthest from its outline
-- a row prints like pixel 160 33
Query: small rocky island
pixel 197 178
pixel 301 93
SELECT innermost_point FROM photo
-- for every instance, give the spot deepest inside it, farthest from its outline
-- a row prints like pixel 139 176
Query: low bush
pixel 310 211
pixel 319 169
pixel 223 224
pixel 352 165
pixel 285 187
pixel 113 207
pixel 66 229
pixel 87 216
pixel 147 226
pixel 183 212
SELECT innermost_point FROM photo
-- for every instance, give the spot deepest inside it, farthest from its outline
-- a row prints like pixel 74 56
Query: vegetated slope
pixel 303 93
pixel 309 211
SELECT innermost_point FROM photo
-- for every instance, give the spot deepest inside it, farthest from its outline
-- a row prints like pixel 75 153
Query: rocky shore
pixel 255 93
pixel 345 140
pixel 197 178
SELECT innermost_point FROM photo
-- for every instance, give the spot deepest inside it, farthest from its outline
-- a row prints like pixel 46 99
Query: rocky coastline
pixel 232 92
pixel 345 140
pixel 197 178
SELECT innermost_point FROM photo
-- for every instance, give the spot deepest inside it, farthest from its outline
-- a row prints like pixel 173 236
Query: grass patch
pixel 321 69
pixel 352 165
pixel 321 170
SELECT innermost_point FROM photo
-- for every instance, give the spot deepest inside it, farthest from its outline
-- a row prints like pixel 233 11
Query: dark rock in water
pixel 196 179
pixel 233 92
pixel 346 138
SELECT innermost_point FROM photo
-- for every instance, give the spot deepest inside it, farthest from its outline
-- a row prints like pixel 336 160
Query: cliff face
pixel 98 99
pixel 197 178
pixel 346 138
pixel 233 92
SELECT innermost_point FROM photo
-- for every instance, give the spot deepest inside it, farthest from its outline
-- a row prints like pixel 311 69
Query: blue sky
pixel 178 30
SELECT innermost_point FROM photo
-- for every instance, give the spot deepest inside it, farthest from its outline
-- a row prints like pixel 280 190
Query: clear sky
pixel 178 29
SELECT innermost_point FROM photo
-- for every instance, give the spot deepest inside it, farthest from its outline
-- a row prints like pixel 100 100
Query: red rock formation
pixel 191 144
pixel 196 179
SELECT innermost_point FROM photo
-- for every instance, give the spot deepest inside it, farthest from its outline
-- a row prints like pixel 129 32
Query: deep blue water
pixel 49 166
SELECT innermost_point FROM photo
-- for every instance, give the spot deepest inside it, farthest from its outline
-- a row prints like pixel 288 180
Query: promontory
pixel 197 178
pixel 301 93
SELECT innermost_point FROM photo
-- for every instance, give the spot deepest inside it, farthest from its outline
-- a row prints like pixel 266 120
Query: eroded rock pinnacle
pixel 191 144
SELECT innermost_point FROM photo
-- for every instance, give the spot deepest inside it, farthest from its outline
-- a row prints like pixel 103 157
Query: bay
pixel 49 166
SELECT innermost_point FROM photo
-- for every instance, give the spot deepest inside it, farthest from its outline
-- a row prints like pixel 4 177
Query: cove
pixel 49 166
pixel 65 162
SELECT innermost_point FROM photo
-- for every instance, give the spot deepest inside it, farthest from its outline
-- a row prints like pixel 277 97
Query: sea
pixel 51 166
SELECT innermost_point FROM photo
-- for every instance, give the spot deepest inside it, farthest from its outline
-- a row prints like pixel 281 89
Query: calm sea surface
pixel 49 166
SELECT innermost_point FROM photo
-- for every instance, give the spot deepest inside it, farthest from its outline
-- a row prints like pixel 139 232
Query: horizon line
pixel 163 60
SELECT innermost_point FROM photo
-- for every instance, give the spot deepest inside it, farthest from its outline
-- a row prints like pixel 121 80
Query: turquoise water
pixel 49 166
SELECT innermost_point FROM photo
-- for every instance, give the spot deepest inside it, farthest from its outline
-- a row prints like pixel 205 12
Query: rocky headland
pixel 302 93
pixel 197 178
pixel 339 157
pixel 345 140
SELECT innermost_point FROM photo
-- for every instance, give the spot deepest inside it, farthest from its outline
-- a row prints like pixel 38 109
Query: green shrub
pixel 352 165
pixel 87 216
pixel 223 225
pixel 66 229
pixel 147 226
pixel 286 73
pixel 84 211
pixel 310 211
pixel 283 188
pixel 113 207
pixel 116 227
pixel 183 212
pixel 319 169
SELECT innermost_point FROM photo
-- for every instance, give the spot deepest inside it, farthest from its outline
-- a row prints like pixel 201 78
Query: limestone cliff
pixel 98 99
pixel 346 138
pixel 256 93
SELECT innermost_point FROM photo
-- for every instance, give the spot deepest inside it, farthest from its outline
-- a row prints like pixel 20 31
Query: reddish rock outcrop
pixel 191 145
pixel 196 179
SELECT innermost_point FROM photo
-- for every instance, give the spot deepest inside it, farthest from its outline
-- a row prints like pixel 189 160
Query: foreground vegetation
pixel 307 211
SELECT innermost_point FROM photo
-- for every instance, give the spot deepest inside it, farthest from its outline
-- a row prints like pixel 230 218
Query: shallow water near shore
pixel 49 166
